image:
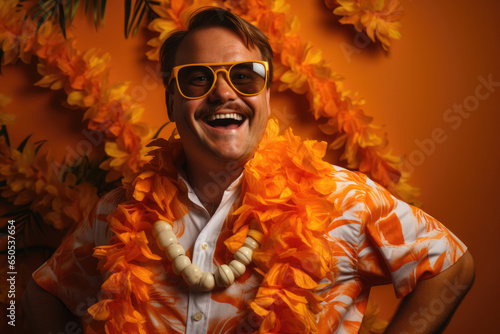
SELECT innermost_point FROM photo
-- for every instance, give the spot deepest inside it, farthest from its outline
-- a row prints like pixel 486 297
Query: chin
pixel 237 156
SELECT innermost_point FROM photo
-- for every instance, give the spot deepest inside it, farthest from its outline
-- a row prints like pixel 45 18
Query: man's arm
pixel 46 313
pixel 429 307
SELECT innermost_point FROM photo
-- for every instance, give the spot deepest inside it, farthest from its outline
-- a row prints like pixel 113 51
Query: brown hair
pixel 216 17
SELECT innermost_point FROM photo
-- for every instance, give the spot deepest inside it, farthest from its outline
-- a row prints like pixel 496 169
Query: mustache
pixel 210 108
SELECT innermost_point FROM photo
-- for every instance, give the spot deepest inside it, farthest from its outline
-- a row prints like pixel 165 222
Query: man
pixel 321 235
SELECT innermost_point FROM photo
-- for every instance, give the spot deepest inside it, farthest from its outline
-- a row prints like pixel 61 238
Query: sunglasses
pixel 194 81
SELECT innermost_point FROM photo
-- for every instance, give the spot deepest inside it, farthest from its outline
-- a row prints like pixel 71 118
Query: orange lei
pixel 286 195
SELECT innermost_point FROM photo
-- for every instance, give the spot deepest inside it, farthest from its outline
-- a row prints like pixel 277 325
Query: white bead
pixel 224 276
pixel 207 282
pixel 244 255
pixel 251 243
pixel 237 268
pixel 161 225
pixel 180 263
pixel 165 239
pixel 192 274
pixel 174 250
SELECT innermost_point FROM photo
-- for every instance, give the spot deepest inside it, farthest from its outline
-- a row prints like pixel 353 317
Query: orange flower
pixel 304 63
pixel 354 130
pixel 379 18
pixel 21 172
pixel 382 166
pixel 370 324
pixel 68 202
pixel 325 97
pixel 285 183
pixel 173 15
pixel 78 74
pixel 17 34
pixel 129 152
pixel 30 179
pixel 125 318
pixel 51 44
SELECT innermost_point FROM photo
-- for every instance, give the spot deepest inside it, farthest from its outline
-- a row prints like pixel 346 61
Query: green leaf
pixel 45 16
pixel 128 7
pixel 137 8
pixel 36 7
pixel 62 19
pixel 5 134
pixel 43 10
pixel 73 10
pixel 96 16
pixel 67 9
pixel 86 6
pixel 16 210
pixel 103 8
pixel 161 128
pixel 38 222
pixel 21 146
pixel 138 23
pixel 39 144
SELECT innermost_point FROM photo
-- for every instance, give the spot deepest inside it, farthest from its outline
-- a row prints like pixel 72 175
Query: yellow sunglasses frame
pixel 176 69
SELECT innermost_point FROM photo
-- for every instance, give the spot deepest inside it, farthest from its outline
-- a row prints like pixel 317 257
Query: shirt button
pixel 197 316
pixel 204 246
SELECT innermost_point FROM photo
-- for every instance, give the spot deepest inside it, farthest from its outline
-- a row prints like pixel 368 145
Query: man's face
pixel 208 143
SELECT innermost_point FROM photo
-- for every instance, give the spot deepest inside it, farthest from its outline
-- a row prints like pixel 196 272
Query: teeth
pixel 225 116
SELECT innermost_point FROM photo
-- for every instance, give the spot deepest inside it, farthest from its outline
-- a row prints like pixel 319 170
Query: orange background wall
pixel 446 46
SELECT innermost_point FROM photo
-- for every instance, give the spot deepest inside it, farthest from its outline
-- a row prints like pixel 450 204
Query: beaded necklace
pixel 223 276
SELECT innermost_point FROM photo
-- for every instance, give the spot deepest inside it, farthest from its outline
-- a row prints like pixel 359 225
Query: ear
pixel 169 102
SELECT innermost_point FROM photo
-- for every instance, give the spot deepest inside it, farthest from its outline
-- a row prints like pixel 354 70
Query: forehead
pixel 214 45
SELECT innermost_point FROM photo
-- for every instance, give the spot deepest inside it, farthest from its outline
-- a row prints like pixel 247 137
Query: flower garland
pixel 30 180
pixel 59 198
pixel 379 19
pixel 294 254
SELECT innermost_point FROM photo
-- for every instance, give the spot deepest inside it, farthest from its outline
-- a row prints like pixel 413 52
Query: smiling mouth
pixel 228 121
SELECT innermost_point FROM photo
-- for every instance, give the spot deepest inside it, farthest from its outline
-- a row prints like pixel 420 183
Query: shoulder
pixel 350 184
pixel 359 200
pixel 348 177
pixel 359 185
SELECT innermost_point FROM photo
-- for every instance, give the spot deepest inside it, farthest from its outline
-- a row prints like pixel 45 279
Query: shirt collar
pixel 186 186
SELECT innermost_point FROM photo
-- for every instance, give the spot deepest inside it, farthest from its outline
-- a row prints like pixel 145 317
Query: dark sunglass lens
pixel 248 78
pixel 195 81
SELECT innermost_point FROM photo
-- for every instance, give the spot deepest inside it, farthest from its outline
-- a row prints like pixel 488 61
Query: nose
pixel 222 90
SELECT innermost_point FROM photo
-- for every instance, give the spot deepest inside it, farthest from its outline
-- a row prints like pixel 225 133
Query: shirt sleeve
pixel 71 273
pixel 411 244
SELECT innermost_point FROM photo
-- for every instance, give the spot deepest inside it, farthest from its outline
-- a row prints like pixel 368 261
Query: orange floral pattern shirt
pixel 378 240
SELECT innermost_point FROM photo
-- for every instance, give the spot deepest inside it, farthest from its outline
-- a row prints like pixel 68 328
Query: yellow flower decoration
pixel 17 34
pixel 370 324
pixel 31 179
pixel 172 15
pixel 379 18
